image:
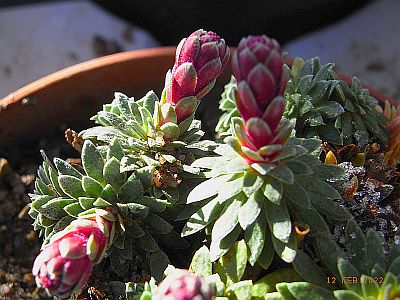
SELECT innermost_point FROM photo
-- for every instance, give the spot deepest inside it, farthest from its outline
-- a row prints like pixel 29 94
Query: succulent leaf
pixel 328 108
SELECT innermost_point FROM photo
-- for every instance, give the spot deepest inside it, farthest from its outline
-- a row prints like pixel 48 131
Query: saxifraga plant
pixel 256 191
pixel 136 170
pixel 261 181
pixel 362 269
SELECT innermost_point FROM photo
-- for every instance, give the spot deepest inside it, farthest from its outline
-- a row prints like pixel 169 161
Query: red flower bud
pixel 199 60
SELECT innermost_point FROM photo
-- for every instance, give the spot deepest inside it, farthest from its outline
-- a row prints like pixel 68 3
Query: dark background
pixel 169 20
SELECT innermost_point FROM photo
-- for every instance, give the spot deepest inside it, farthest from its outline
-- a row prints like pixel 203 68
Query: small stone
pixel 31 235
pixel 6 289
pixel 29 279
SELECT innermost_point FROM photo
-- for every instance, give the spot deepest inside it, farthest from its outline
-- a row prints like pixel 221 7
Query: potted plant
pixel 294 199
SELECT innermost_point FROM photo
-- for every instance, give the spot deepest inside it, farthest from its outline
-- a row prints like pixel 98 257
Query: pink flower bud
pixel 258 68
pixel 183 285
pixel 65 264
pixel 199 60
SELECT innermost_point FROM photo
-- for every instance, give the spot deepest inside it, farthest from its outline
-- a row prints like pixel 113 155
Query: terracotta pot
pixel 70 96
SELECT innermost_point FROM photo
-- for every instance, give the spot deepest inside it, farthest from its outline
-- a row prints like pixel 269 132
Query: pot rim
pixel 99 62
pixel 103 61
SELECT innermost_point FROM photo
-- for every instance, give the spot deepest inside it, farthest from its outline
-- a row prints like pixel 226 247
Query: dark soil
pixel 19 243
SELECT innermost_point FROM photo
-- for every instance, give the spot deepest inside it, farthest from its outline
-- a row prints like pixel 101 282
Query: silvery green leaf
pixel 217 249
pixel 393 254
pixel 39 201
pixel 255 237
pixel 172 194
pixel 251 153
pixel 154 204
pixel 112 173
pixel 311 144
pixel 126 127
pixel 329 252
pixel 170 130
pixel 45 222
pixel 299 167
pixel 314 118
pixel 158 224
pixel 123 210
pixel 308 269
pixel 101 203
pixel 73 209
pixel 310 217
pixel 149 101
pixel 109 194
pixel 134 231
pixel 86 202
pixel 54 209
pixel 394 267
pixel 91 186
pixel 263 168
pixel 235 261
pixel 251 182
pixel 138 211
pixel 330 109
pixel 122 102
pixel 190 169
pixel 101 133
pixel 305 291
pixel 355 243
pixel 282 173
pixel 92 161
pixel 286 251
pixel 208 162
pixel 158 263
pixel 65 168
pixel 134 106
pixel 115 150
pixel 72 186
pixel 189 210
pixel 368 285
pixel 129 163
pixel 346 269
pixel 145 176
pixel 224 225
pixel 378 271
pixel 346 295
pixel 278 220
pixel 237 165
pixel 118 264
pixel 207 188
pixel 327 172
pixel 270 149
pixel 202 217
pixel 131 189
pixel 273 190
pixel 330 134
pixel 267 252
pixel 127 252
pixel 323 72
pixel 232 188
pixel 297 194
pixel 305 84
pixel 201 263
pixel 147 243
pixel 318 90
pixel 150 161
pixel 185 124
pixel 241 290
pixel 375 249
pixel 217 285
pixel 250 210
